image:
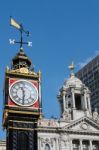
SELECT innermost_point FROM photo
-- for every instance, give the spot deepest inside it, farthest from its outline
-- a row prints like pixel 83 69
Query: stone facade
pixel 77 128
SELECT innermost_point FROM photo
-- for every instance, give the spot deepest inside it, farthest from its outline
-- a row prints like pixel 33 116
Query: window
pixel 69 104
pixel 78 101
pixel 95 145
pixel 85 145
pixel 47 147
pixel 75 144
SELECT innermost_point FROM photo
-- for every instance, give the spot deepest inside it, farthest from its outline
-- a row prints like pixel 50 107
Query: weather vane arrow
pixel 21 29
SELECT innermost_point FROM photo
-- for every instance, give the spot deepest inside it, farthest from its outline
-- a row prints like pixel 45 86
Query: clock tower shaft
pixel 22 107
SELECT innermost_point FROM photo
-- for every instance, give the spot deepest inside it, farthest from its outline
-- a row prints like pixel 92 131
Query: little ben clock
pixel 23 93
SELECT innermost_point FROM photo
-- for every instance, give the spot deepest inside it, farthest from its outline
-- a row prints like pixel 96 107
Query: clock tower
pixel 22 103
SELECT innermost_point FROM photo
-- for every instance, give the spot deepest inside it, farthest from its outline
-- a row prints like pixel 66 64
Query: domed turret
pixel 73 81
pixel 74 98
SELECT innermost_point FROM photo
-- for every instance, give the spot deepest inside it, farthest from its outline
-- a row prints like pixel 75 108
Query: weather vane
pixel 72 67
pixel 21 29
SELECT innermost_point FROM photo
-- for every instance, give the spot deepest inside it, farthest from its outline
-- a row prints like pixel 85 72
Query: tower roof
pixel 73 81
pixel 21 60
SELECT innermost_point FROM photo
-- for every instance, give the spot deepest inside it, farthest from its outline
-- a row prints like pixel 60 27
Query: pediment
pixel 83 125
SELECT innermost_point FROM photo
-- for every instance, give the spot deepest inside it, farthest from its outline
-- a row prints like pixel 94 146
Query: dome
pixel 73 81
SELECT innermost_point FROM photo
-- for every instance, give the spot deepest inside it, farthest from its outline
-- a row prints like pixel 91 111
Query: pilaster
pixel 81 145
pixel 71 147
pixel 85 101
pixel 73 98
pixel 91 145
pixel 64 100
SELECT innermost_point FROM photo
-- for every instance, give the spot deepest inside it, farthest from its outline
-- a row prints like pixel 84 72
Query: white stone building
pixel 77 128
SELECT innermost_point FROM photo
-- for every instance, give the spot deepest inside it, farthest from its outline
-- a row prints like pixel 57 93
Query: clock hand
pixel 23 95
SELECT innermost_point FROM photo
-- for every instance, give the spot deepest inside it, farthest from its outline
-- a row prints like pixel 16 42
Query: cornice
pixel 18 72
pixel 59 130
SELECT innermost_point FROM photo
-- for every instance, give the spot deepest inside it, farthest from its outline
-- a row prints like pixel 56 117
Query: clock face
pixel 23 93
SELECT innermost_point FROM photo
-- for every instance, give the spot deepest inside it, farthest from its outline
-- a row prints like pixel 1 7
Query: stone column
pixel 57 144
pixel 64 100
pixel 89 103
pixel 73 99
pixel 81 148
pixel 39 143
pixel 66 104
pixel 91 145
pixel 71 147
pixel 85 101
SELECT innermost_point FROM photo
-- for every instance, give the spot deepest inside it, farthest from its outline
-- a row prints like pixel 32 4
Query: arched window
pixel 23 141
pixel 47 147
pixel 78 104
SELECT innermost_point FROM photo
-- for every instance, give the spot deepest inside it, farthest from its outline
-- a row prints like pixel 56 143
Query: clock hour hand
pixel 23 95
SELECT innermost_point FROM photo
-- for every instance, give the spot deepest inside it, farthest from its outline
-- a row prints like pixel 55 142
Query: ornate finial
pixel 95 109
pixel 72 67
pixel 7 68
pixel 95 114
pixel 21 29
pixel 39 73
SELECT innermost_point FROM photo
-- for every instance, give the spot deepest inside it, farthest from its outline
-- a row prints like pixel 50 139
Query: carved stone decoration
pixel 95 115
pixel 67 115
pixel 51 123
pixel 41 142
pixel 63 142
pixel 84 126
pixel 47 141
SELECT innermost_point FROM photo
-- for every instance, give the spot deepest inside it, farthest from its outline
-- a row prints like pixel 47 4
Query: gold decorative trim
pixel 24 70
pixel 23 121
pixel 24 73
pixel 22 112
pixel 5 116
pixel 28 129
pixel 15 128
pixel 26 107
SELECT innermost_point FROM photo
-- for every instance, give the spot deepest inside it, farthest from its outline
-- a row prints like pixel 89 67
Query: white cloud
pixel 82 64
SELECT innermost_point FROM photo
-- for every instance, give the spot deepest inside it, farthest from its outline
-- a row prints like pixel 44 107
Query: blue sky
pixel 62 31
